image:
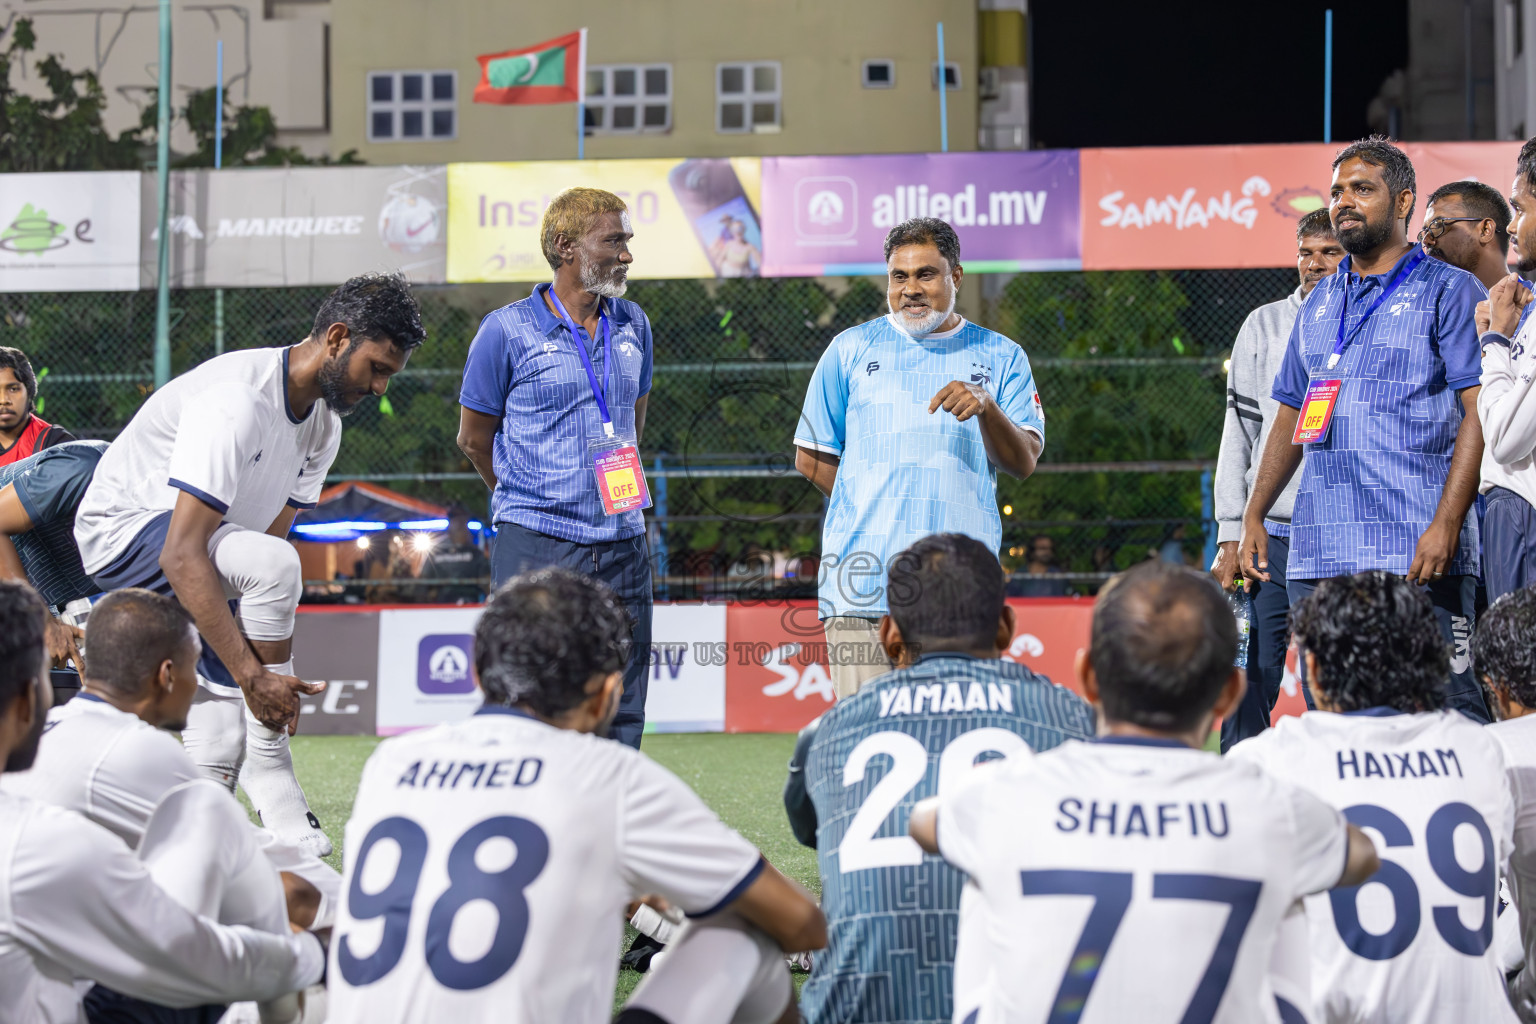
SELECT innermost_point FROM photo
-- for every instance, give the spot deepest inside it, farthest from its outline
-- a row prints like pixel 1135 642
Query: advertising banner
pixel 257 227
pixel 75 232
pixel 1192 207
pixel 1012 211
pixel 691 218
pixel 776 677
pixel 425 654
pixel 341 648
pixel 1047 634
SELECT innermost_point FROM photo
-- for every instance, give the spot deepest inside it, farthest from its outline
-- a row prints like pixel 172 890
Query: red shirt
pixel 38 435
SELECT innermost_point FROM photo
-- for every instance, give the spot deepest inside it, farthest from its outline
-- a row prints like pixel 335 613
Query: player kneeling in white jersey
pixel 1415 945
pixel 489 862
pixel 1136 877
pixel 1504 658
pixel 196 497
pixel 76 903
pixel 109 755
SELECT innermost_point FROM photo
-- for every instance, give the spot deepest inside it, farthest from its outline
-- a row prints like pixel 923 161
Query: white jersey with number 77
pixel 488 866
pixel 1414 944
pixel 1132 880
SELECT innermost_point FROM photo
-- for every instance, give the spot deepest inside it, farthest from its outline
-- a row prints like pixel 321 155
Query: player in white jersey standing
pixel 1415 945
pixel 489 862
pixel 75 903
pixel 1138 877
pixel 196 497
pixel 1504 658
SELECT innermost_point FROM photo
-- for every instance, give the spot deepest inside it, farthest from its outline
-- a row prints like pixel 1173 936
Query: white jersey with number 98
pixel 488 864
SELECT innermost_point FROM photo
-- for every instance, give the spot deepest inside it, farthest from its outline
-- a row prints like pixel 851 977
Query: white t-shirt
pixel 109 765
pixel 1138 880
pixel 1414 945
pixel 488 864
pixel 223 432
pixel 1517 739
pixel 76 903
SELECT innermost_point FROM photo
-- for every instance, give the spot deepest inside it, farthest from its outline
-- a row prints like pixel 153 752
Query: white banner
pixel 76 232
pixel 426 654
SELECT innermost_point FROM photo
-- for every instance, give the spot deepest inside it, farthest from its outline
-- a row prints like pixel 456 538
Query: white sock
pixel 268 778
pixel 215 739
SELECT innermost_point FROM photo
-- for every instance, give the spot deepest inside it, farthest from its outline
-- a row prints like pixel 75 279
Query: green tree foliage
pixel 66 131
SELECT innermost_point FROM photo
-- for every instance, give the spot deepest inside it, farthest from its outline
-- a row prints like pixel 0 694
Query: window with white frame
pixel 624 99
pixel 412 106
pixel 879 74
pixel 951 75
pixel 747 97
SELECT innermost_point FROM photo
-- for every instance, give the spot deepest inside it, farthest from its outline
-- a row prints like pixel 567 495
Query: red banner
pixel 1183 208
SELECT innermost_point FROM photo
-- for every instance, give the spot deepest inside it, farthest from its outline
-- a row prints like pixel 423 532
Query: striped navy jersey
pixel 892 912
pixel 50 485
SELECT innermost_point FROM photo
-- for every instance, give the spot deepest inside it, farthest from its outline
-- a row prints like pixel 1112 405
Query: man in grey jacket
pixel 1256 356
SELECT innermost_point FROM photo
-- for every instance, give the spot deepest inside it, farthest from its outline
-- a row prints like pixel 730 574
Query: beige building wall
pixel 821 45
pixel 274 56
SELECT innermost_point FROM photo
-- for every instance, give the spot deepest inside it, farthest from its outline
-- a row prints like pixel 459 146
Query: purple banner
pixel 830 214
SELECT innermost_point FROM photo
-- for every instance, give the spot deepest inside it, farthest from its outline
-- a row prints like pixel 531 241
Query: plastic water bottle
pixel 1242 610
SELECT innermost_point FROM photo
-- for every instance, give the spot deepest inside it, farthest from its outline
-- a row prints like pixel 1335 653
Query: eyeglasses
pixel 1433 229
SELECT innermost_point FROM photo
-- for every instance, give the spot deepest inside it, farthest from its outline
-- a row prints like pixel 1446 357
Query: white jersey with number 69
pixel 488 864
pixel 1414 944
pixel 1132 880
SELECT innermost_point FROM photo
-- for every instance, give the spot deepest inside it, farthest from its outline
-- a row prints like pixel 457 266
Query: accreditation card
pixel 620 477
pixel 1316 412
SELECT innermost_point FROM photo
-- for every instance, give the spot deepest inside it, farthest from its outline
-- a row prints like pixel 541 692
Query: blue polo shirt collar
pixel 548 322
pixel 1347 269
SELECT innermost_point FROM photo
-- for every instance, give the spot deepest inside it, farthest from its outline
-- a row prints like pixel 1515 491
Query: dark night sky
pixel 1201 73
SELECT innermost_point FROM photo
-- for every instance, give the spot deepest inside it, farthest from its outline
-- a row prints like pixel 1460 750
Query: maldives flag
pixel 548 72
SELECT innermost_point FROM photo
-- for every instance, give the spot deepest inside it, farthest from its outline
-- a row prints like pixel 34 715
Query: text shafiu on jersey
pixel 1414 944
pixel 489 863
pixel 223 432
pixel 1131 880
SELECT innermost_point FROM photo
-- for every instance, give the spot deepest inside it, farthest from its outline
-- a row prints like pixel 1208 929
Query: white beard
pixel 608 288
pixel 924 325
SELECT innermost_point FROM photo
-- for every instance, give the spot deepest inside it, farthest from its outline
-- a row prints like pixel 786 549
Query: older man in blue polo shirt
pixel 1378 405
pixel 553 405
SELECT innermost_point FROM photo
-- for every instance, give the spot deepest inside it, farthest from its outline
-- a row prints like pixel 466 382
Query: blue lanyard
pixel 1393 283
pixel 586 361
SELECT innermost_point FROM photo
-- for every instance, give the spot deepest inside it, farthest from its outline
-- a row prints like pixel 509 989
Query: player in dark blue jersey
pixel 38 499
pixel 893 913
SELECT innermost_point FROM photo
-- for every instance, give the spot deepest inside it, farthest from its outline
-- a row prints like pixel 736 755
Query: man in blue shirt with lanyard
pixel 1378 406
pixel 553 405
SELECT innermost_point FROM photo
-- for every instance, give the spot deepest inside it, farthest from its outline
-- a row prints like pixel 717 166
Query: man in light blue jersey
pixel 906 422
pixel 892 914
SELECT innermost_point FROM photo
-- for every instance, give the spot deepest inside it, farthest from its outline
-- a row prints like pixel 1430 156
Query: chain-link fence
pixel 1129 366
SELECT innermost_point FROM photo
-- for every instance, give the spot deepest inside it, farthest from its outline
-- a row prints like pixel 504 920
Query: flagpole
pixel 581 97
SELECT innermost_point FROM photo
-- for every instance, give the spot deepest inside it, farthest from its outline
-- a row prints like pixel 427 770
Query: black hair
pixel 15 360
pixel 1481 201
pixel 1315 223
pixel 129 634
pixel 1525 163
pixel 1396 168
pixel 945 592
pixel 1504 645
pixel 1163 644
pixel 375 307
pixel 543 637
pixel 925 231
pixel 23 639
pixel 1375 641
